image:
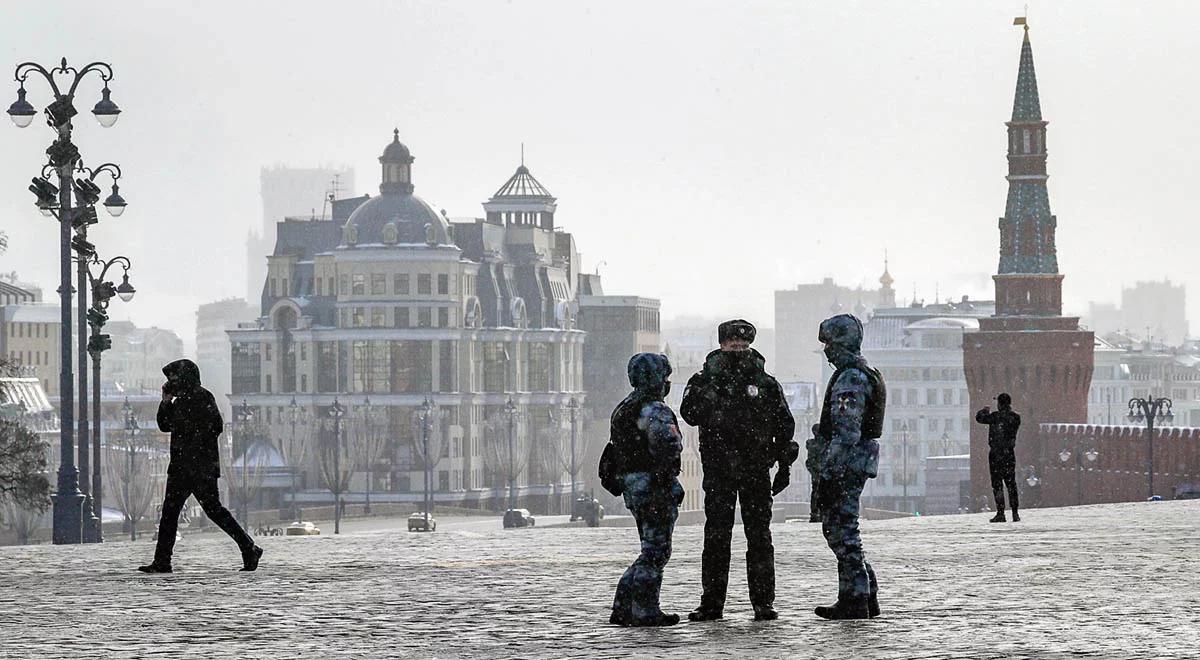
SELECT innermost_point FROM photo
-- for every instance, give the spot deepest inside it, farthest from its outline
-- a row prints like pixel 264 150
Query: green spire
pixel 1026 106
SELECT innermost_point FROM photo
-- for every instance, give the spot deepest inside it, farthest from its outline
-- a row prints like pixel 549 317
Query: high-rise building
pixel 799 312
pixel 212 344
pixel 289 192
pixel 1028 348
pixel 29 334
pixel 1156 311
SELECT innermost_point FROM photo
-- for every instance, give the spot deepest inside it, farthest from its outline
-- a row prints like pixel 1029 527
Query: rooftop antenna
pixel 335 189
pixel 522 154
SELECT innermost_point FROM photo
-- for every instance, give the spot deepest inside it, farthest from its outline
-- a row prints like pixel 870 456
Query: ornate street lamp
pixel 131 430
pixel 96 343
pixel 425 416
pixel 1150 411
pixel 296 415
pixel 1091 455
pixel 64 156
pixel 336 411
pixel 511 409
pixel 573 409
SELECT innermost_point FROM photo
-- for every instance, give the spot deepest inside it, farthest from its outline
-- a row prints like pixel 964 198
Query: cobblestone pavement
pixel 1110 581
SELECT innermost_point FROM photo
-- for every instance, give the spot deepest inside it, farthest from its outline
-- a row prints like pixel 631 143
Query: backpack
pixel 611 477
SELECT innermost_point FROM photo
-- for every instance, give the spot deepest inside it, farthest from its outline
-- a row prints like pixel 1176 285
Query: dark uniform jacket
pixel 1002 428
pixel 852 420
pixel 194 422
pixel 740 409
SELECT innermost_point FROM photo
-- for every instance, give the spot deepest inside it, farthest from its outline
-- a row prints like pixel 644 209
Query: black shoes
pixel 250 558
pixel 660 620
pixel 765 613
pixel 873 606
pixel 705 614
pixel 1016 518
pixel 854 608
pixel 999 517
pixel 155 567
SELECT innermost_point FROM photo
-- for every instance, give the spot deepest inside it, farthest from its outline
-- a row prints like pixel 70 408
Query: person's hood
pixel 843 330
pixel 185 372
pixel 648 372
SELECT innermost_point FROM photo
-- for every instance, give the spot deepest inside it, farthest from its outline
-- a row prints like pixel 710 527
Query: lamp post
pixel 368 446
pixel 425 417
pixel 511 409
pixel 244 415
pixel 102 292
pixel 1149 411
pixel 296 414
pixel 904 458
pixel 1090 454
pixel 573 409
pixel 56 201
pixel 336 411
pixel 131 431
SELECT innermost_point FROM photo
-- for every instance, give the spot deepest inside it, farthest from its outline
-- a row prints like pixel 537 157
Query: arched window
pixel 1026 140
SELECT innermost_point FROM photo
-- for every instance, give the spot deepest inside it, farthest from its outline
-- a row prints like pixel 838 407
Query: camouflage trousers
pixel 839 523
pixel 655 507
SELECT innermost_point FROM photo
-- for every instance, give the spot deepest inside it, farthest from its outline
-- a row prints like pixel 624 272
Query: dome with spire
pixel 396 216
pixel 522 184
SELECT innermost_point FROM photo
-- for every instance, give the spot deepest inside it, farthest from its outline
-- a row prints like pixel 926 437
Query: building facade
pixel 1028 348
pixel 390 303
pixel 29 337
pixel 212 344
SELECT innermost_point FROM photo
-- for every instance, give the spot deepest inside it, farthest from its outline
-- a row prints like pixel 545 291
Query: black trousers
pixel 722 489
pixel 1003 468
pixel 204 487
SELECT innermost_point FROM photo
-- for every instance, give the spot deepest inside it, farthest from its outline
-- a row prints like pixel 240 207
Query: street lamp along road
pixel 1091 455
pixel 131 431
pixel 336 411
pixel 68 514
pixel 1149 411
pixel 296 415
pixel 96 316
pixel 244 415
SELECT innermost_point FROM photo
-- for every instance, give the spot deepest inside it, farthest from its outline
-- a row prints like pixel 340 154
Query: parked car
pixel 518 518
pixel 303 529
pixel 589 509
pixel 417 522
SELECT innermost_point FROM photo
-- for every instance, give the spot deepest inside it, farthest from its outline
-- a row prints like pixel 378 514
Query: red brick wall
pixel 1119 473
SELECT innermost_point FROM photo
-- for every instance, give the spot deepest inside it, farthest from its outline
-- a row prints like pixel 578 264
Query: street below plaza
pixel 1105 581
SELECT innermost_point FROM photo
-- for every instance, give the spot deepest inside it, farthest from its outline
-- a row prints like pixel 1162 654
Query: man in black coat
pixel 1002 459
pixel 745 428
pixel 190 414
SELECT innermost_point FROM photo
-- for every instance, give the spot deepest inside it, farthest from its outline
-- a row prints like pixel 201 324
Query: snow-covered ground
pixel 1109 581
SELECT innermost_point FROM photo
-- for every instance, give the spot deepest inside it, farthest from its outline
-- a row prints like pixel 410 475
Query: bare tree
pixel 431 436
pixel 135 465
pixel 295 448
pixel 244 475
pixel 23 472
pixel 22 521
pixel 366 442
pixel 333 460
pixel 506 448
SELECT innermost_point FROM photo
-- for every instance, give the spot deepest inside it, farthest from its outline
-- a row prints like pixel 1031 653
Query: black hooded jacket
pixel 739 408
pixel 1003 425
pixel 193 420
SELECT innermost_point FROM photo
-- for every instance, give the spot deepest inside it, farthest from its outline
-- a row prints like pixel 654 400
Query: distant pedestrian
pixel 1003 425
pixel 642 464
pixel 745 429
pixel 190 414
pixel 851 423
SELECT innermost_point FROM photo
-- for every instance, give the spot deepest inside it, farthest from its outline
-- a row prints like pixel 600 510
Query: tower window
pixel 1026 140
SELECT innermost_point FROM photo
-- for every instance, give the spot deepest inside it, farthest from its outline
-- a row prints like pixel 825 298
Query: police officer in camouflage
pixel 745 429
pixel 813 448
pixel 851 422
pixel 645 435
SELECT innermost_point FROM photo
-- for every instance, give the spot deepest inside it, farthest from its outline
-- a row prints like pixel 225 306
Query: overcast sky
pixel 707 153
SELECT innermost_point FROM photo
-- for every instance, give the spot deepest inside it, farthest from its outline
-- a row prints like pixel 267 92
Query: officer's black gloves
pixel 782 478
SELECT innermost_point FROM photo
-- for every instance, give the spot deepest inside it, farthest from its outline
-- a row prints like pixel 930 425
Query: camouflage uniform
pixel 814 447
pixel 647 434
pixel 851 420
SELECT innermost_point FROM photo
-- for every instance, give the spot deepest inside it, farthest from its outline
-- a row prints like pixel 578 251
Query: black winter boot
pixel 703 613
pixel 660 620
pixel 155 567
pixel 850 608
pixel 999 517
pixel 250 558
pixel 1016 518
pixel 765 613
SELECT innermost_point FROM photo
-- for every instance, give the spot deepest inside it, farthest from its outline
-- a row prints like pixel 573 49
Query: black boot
pixel 850 608
pixel 873 599
pixel 660 620
pixel 1016 518
pixel 703 613
pixel 999 517
pixel 765 613
pixel 250 558
pixel 620 618
pixel 155 567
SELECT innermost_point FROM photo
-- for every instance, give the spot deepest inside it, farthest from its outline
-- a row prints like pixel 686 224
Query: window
pixel 538 364
pixel 931 397
pixel 446 367
pixel 401 284
pixel 303 382
pixel 495 366
pixel 424 284
pixel 378 317
pixel 402 320
pixel 443 284
pixel 359 317
pixel 411 365
pixel 424 317
pixel 378 284
pixel 948 397
pixel 268 388
pixel 284 286
pixel 318 283
pixel 303 352
pixel 344 285
pixel 331 291
pixel 371 366
pixel 444 318
pixel 267 351
pixel 271 286
pixel 327 366
pixel 358 285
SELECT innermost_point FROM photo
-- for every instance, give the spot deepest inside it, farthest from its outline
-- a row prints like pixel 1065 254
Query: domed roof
pixel 943 323
pixel 372 221
pixel 396 152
